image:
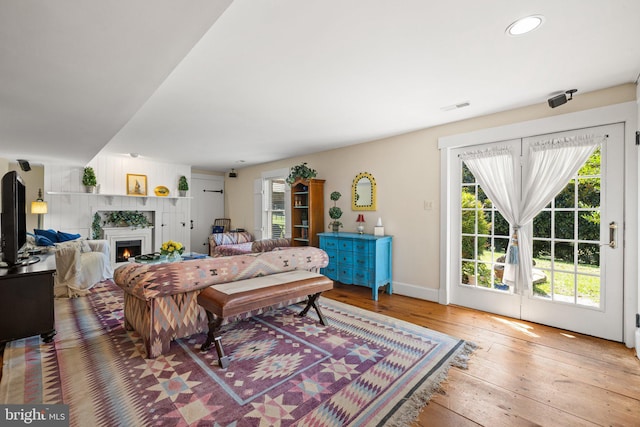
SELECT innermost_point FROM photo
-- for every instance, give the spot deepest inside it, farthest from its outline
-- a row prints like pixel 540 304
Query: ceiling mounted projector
pixel 558 100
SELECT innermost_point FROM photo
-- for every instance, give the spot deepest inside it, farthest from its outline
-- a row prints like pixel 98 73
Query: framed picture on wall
pixel 136 185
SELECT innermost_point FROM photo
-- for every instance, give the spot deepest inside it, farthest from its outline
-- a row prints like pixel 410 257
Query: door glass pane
pixel 469 247
pixel 564 225
pixel 542 225
pixel 542 268
pixel 500 225
pixel 563 256
pixel 589 225
pixel 482 197
pixel 589 290
pixel 589 192
pixel 566 198
pixel 564 287
pixel 589 258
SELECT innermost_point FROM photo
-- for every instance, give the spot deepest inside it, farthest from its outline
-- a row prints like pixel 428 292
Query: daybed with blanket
pixel 160 300
pixel 241 242
pixel 80 263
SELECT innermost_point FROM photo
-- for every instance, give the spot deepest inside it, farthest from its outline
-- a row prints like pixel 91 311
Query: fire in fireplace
pixel 126 249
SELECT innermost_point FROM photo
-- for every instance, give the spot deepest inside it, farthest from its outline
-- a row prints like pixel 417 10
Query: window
pixel 276 214
pixel 272 205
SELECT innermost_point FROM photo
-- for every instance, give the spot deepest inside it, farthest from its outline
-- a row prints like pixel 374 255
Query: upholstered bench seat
pixel 160 301
pixel 232 299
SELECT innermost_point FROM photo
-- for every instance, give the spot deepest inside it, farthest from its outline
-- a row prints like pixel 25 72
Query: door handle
pixel 192 224
pixel 613 231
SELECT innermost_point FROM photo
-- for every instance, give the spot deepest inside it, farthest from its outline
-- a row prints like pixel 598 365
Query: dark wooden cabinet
pixel 26 300
pixel 307 211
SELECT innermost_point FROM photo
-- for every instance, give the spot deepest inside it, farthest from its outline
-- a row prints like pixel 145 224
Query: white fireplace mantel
pixel 116 234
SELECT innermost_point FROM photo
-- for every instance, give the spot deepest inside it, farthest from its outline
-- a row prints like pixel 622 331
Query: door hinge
pixel 637 320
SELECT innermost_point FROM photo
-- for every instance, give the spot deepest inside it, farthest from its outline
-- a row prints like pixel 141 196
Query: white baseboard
pixel 413 291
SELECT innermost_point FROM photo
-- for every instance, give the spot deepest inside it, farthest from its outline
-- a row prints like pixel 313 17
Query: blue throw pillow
pixel 52 235
pixel 43 241
pixel 65 237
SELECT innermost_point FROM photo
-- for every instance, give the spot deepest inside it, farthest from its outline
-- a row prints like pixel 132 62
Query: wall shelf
pixel 110 197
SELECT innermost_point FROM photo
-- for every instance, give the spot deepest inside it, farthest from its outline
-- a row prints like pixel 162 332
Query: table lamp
pixel 39 207
pixel 360 222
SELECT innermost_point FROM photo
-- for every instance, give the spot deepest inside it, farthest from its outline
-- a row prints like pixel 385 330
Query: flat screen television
pixel 13 227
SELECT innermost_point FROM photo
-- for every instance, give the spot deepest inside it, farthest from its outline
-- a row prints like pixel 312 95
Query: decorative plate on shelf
pixel 161 191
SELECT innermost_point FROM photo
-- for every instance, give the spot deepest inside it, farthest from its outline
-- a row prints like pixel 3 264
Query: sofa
pixel 241 242
pixel 160 300
pixel 80 264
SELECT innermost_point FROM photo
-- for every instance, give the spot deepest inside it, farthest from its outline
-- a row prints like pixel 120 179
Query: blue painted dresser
pixel 359 259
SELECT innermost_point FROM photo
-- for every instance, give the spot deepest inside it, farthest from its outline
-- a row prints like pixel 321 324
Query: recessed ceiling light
pixel 525 25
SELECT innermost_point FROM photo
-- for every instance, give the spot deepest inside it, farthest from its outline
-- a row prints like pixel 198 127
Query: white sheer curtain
pixel 550 166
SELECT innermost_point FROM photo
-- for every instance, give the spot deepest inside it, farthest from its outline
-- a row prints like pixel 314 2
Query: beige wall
pixel 407 173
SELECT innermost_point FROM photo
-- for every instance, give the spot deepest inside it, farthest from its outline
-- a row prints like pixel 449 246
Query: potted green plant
pixel 468 273
pixel 89 179
pixel 183 186
pixel 335 212
pixel 300 171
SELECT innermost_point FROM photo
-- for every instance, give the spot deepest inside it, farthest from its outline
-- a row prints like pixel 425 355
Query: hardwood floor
pixel 522 374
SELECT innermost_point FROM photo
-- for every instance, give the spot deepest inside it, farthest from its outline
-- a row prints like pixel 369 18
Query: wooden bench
pixel 243 296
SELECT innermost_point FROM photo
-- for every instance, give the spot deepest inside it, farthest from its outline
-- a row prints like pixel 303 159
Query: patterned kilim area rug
pixel 363 369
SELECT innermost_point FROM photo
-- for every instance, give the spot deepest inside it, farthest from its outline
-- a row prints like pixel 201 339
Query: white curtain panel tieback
pixel 550 166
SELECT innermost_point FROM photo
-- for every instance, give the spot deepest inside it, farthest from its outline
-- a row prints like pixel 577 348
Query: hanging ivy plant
pixel 300 171
pixel 127 219
pixel 95 226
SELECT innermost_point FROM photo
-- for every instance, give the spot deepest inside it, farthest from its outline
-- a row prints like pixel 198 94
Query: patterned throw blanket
pixel 363 369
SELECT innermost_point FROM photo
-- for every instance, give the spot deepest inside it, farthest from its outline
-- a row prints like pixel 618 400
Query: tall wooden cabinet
pixel 307 211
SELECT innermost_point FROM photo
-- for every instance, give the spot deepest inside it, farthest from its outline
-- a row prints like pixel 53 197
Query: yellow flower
pixel 170 247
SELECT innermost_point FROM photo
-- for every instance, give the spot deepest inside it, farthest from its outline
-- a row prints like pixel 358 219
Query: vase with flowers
pixel 172 250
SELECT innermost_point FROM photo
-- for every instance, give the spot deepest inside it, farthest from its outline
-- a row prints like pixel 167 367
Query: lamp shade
pixel 39 207
pixel 360 218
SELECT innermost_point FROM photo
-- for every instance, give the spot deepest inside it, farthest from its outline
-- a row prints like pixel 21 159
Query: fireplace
pixel 136 241
pixel 126 249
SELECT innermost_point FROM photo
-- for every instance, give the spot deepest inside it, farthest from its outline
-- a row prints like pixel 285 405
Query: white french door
pixel 578 272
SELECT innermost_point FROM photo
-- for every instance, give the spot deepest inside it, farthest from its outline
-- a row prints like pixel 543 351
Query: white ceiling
pixel 208 85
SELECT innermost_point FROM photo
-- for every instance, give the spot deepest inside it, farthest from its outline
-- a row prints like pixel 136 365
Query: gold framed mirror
pixel 363 192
